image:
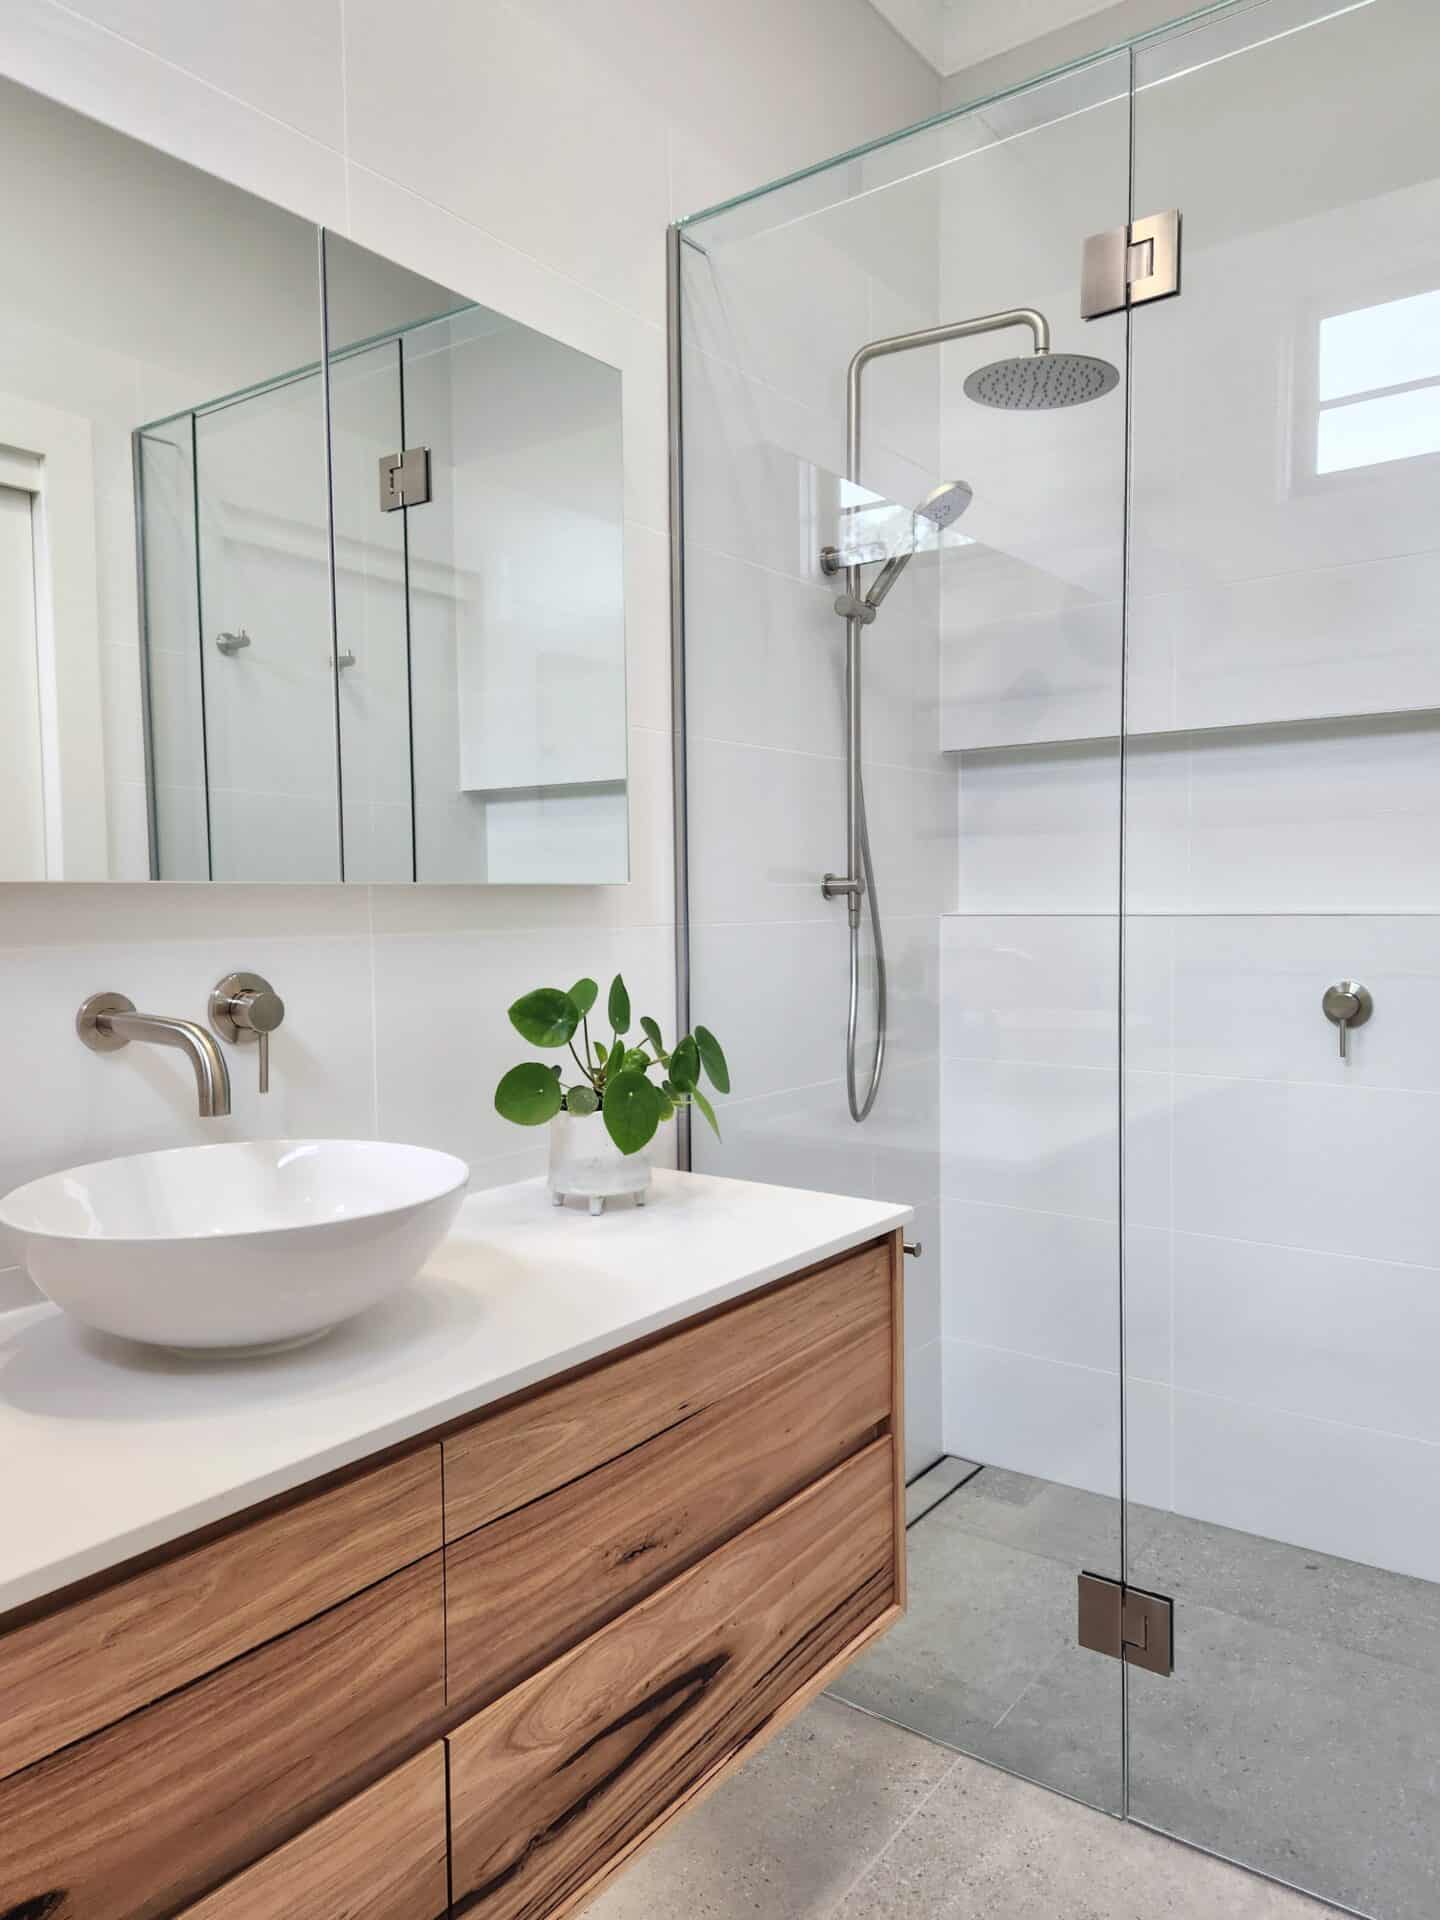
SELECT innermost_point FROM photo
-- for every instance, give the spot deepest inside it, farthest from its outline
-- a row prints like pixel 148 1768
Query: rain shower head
pixel 1035 382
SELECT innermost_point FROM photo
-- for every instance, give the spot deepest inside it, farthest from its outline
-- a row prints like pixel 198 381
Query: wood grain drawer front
pixel 88 1663
pixel 154 1811
pixel 560 1777
pixel 540 1443
pixel 521 1591
pixel 382 1856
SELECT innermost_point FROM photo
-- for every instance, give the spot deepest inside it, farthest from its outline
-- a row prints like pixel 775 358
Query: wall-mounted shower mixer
pixel 1347 1005
pixel 1027 383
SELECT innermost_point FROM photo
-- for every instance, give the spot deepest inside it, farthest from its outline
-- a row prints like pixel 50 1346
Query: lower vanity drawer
pixel 522 1590
pixel 382 1856
pixel 558 1781
pixel 167 1803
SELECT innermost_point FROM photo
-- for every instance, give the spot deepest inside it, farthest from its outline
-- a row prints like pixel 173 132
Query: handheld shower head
pixel 946 502
pixel 1035 382
pixel 940 506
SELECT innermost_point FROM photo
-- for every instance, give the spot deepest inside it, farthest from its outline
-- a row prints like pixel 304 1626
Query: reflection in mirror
pixel 501 590
pixel 268 614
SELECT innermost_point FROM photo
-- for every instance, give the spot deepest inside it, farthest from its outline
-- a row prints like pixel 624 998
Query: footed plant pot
pixel 586 1164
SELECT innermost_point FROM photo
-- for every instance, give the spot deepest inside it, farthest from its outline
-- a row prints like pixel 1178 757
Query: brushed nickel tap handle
pixel 1347 1004
pixel 245 1006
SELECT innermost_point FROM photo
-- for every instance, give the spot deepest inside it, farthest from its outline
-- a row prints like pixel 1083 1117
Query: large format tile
pixel 1303 1759
pixel 985 1843
pixel 787 1835
pixel 53 48
pixel 280 56
pixel 1337 1169
pixel 1036 1416
pixel 444 100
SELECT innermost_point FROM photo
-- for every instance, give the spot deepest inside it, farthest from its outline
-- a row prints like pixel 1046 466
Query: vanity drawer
pixel 546 1440
pixel 522 1590
pixel 86 1664
pixel 382 1856
pixel 153 1811
pixel 562 1778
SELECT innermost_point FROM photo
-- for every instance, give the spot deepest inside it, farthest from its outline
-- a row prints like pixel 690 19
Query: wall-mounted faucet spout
pixel 108 1021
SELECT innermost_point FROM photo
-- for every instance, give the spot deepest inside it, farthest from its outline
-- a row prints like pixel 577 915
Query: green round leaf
pixel 546 1017
pixel 712 1059
pixel 528 1095
pixel 651 1029
pixel 619 1006
pixel 632 1111
pixel 706 1108
pixel 584 993
pixel 685 1064
pixel 582 1099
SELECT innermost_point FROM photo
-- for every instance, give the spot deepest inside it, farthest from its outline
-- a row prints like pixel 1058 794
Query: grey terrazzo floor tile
pixel 786 1836
pixel 987 1844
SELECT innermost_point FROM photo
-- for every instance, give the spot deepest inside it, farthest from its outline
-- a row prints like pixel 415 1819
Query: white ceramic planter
pixel 586 1164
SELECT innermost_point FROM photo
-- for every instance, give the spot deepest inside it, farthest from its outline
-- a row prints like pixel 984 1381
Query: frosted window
pixel 1364 357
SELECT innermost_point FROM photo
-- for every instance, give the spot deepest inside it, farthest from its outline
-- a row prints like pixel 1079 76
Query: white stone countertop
pixel 109 1449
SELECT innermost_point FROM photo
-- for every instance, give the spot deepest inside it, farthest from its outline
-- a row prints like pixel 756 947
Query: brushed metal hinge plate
pixel 404 479
pixel 1127 1623
pixel 1128 266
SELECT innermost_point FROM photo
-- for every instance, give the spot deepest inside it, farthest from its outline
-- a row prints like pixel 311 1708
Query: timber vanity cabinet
pixel 472 1674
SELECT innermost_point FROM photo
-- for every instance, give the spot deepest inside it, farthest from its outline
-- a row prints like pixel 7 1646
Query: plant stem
pixel 587 1071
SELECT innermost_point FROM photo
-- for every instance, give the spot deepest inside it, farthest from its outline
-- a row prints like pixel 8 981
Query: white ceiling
pixel 953 34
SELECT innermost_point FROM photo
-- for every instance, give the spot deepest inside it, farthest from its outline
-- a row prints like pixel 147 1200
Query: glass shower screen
pixel 990 684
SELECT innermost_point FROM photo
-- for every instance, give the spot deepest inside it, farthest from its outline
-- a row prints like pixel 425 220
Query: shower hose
pixel 860 1108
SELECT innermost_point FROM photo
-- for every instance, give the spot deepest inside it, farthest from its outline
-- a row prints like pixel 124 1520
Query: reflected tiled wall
pixel 529 156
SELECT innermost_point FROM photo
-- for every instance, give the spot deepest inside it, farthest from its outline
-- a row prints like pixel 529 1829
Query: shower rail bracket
pixel 1127 1623
pixel 1128 266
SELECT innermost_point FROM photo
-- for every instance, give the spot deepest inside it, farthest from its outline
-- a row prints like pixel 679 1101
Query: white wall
pixel 1282 1258
pixel 528 156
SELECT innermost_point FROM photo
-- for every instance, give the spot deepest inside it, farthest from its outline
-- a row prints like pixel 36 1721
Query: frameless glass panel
pixel 1282 823
pixel 991 682
pixel 372 617
pixel 266 653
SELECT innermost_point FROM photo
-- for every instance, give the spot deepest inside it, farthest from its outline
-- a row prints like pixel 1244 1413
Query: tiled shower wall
pixel 528 156
pixel 1281 828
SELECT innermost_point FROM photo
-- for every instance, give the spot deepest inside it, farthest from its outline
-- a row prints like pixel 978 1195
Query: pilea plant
pixel 615 1078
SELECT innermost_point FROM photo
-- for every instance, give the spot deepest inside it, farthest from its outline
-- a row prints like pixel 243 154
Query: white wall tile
pixel 1335 1169
pixel 1312 1482
pixel 55 50
pixel 1033 1415
pixel 282 57
pixel 1045 1284
pixel 924 1409
pixel 1340 1339
pixel 442 99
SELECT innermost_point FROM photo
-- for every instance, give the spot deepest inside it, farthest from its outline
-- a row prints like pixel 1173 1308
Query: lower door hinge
pixel 1127 1623
pixel 404 479
pixel 1126 266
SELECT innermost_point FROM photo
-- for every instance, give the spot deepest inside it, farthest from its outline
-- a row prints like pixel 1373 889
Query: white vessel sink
pixel 251 1245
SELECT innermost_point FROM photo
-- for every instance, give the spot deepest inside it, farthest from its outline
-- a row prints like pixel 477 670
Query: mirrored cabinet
pixel 311 569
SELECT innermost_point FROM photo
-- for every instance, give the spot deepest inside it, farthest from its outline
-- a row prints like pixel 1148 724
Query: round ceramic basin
pixel 249 1245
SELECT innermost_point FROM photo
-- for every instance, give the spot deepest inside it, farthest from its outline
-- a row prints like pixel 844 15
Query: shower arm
pixel 851 884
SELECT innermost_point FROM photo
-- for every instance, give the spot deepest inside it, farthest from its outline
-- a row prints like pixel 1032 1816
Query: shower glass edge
pixel 1007 1145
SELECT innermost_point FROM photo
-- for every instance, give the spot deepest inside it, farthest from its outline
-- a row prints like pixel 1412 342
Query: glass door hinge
pixel 1126 266
pixel 404 479
pixel 1127 1623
